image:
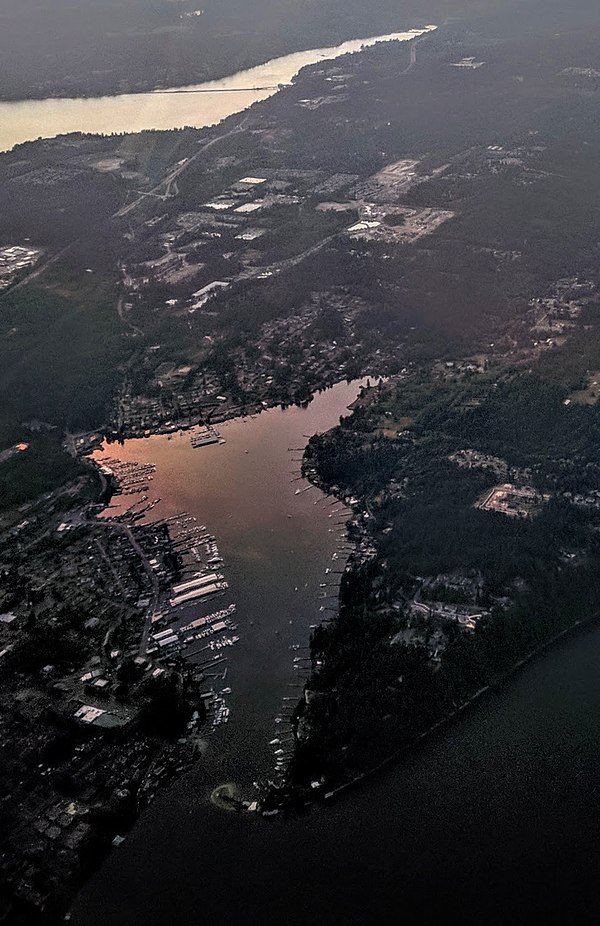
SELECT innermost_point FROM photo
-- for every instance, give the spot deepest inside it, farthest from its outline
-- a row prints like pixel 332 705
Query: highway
pixel 259 273
pixel 163 189
pixel 163 194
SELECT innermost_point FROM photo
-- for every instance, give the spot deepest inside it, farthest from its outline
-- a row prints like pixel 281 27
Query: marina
pixel 505 760
pixel 243 606
pixel 193 555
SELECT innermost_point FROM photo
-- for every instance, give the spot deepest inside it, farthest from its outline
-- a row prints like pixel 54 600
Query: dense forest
pixel 371 699
pixel 67 48
pixel 369 696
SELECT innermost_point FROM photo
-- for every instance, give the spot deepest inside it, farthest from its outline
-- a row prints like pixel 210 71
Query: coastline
pixel 173 107
pixel 444 722
pixel 303 796
pixel 183 84
pixel 174 756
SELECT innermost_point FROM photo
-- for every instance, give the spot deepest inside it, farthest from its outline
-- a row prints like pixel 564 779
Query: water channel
pixel 494 820
pixel 277 534
pixel 27 120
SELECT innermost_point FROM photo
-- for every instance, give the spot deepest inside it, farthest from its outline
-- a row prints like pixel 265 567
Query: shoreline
pixel 189 85
pixel 309 797
pixel 492 686
pixel 134 112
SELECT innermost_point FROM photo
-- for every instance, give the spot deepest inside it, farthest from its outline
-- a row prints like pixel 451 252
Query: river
pixel 493 820
pixel 27 120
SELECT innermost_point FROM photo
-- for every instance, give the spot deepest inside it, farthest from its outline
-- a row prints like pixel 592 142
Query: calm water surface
pixel 494 821
pixel 26 120
pixel 276 546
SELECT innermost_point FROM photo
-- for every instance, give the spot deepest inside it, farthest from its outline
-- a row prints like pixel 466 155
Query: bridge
pixel 223 89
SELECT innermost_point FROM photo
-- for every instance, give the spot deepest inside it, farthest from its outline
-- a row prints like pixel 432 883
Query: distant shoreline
pixel 190 83
pixel 177 107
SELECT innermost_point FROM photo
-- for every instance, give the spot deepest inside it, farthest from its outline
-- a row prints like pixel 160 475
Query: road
pixel 413 56
pixel 114 525
pixel 219 90
pixel 261 273
pixel 258 273
pixel 112 569
pixel 163 190
pixel 168 181
pixel 39 270
pixel 123 316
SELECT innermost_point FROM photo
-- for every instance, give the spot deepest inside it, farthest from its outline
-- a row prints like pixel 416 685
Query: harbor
pixel 254 554
pixel 283 567
pixel 180 614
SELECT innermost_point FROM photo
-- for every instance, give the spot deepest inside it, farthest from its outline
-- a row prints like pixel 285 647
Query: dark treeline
pixel 89 48
pixel 369 697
